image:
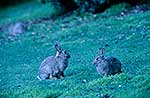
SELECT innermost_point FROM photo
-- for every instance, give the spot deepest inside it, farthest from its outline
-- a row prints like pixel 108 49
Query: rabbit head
pixel 61 53
pixel 99 59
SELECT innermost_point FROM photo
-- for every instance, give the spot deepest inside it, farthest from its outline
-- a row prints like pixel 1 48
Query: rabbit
pixel 54 66
pixel 107 65
pixel 17 28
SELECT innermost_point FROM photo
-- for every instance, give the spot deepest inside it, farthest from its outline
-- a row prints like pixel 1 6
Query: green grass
pixel 127 38
pixel 27 11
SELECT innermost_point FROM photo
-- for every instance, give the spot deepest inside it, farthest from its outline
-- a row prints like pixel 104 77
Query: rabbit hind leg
pixel 42 76
pixel 59 75
pixel 52 77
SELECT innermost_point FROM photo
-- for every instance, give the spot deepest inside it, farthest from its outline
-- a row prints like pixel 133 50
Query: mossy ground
pixel 125 37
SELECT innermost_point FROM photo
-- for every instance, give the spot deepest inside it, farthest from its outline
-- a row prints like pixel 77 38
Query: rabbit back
pixel 48 68
pixel 114 65
pixel 103 68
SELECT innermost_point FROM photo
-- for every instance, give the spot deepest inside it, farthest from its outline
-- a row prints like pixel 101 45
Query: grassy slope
pixel 26 11
pixel 126 36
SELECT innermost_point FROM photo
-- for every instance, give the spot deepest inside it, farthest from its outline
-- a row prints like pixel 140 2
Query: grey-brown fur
pixel 54 66
pixel 17 28
pixel 107 65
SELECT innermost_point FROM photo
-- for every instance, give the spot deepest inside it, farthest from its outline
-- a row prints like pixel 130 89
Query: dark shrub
pixel 93 6
pixel 5 3
pixel 86 5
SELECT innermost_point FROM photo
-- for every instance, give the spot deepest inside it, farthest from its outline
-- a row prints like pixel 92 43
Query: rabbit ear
pixel 57 54
pixel 57 47
pixel 101 51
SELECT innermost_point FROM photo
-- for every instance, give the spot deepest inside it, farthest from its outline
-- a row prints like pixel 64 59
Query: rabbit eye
pixel 96 58
pixel 65 52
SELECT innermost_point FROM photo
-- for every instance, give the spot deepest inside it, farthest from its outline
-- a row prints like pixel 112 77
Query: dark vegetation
pixel 94 6
pixel 6 3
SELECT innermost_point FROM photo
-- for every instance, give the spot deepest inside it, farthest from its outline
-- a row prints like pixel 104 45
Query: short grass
pixel 26 11
pixel 125 37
